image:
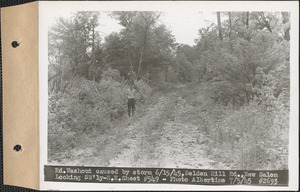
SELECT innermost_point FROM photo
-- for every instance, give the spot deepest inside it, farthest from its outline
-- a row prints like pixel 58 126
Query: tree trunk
pixel 90 66
pixel 142 53
pixel 230 29
pixel 94 45
pixel 219 26
pixel 247 25
pixel 129 58
pixel 140 62
pixel 247 19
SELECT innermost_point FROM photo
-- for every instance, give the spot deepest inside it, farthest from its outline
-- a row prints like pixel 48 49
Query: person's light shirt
pixel 131 93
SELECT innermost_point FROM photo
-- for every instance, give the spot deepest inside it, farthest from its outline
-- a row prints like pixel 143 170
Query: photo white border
pixel 50 6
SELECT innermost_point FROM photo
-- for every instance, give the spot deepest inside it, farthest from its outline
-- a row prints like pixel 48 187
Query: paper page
pixel 168 95
pixel 20 95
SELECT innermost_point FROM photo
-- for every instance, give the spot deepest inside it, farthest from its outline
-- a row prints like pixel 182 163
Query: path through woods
pixel 155 137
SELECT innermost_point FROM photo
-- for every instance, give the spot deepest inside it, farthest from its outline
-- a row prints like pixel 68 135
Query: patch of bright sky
pixel 184 25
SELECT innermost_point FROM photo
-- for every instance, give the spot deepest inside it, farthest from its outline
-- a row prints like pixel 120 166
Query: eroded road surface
pixel 157 137
pixel 161 139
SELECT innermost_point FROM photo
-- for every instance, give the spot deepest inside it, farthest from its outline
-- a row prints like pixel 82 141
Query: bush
pixel 86 107
pixel 144 90
pixel 171 75
pixel 223 92
pixel 111 74
pixel 251 137
pixel 243 137
pixel 113 97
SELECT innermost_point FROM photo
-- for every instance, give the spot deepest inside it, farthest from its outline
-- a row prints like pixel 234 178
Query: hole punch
pixel 15 44
pixel 17 148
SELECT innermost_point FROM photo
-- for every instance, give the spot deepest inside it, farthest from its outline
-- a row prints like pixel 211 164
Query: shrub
pixel 113 94
pixel 252 137
pixel 86 107
pixel 144 90
pixel 112 74
pixel 171 75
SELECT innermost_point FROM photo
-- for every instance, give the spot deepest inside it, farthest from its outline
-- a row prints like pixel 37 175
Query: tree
pixel 137 27
pixel 148 43
pixel 265 20
pixel 184 65
pixel 245 47
pixel 116 53
pixel 72 45
pixel 148 20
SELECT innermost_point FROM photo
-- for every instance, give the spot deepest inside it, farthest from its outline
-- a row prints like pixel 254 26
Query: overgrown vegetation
pixel 235 79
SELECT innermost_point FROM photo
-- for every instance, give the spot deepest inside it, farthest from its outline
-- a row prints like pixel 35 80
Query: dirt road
pixel 156 137
pixel 160 139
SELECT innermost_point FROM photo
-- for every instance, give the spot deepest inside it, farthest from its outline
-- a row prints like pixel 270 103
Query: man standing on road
pixel 131 100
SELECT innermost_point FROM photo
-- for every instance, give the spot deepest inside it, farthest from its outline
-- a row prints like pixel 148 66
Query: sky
pixel 184 25
pixel 184 18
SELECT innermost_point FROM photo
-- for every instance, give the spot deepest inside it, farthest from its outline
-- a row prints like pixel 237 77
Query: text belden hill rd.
pixel 165 175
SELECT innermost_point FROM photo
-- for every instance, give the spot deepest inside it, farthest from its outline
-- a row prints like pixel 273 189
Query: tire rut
pixel 143 137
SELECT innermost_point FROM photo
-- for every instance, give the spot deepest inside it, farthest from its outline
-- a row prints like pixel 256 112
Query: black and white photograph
pixel 200 90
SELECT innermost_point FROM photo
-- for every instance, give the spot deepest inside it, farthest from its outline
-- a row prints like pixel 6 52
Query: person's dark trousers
pixel 131 106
